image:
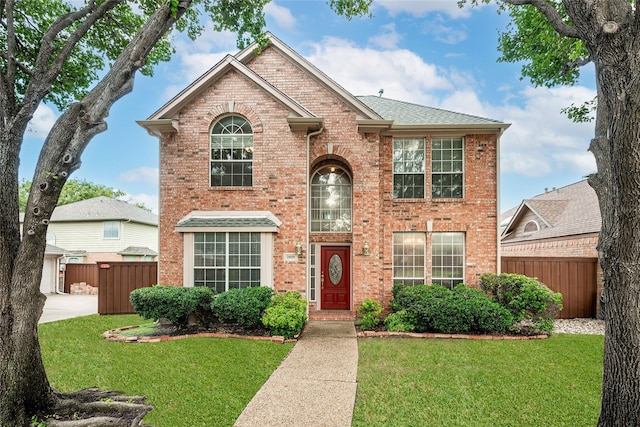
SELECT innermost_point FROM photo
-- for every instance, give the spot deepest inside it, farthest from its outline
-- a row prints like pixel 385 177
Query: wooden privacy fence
pixel 116 280
pixel 574 278
pixel 78 273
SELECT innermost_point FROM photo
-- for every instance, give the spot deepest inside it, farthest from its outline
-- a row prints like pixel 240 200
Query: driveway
pixel 65 306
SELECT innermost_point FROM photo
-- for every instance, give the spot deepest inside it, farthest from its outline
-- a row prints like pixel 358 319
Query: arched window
pixel 331 200
pixel 531 227
pixel 232 153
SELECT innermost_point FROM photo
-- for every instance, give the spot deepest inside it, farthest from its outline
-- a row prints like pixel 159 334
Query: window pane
pixel 447 168
pixel 231 152
pixel 331 200
pixel 447 258
pixel 408 258
pixel 408 168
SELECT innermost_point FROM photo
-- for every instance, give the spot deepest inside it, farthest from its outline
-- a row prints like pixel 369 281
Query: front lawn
pixel 191 382
pixel 413 382
pixel 401 382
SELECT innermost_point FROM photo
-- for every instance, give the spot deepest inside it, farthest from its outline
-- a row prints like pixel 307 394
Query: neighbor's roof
pixel 138 250
pixel 103 209
pixel 407 113
pixel 565 211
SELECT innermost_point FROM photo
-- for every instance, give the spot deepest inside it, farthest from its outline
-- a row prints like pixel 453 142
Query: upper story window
pixel 331 200
pixel 408 168
pixel 111 230
pixel 447 168
pixel 232 153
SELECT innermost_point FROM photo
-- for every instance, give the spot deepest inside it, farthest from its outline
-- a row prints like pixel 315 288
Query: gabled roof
pixel 164 120
pixel 565 211
pixel 138 250
pixel 103 209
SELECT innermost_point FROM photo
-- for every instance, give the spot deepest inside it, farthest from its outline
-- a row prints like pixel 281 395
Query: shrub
pixel 244 306
pixel 286 314
pixel 173 303
pixel 400 321
pixel 526 298
pixel 370 311
pixel 438 309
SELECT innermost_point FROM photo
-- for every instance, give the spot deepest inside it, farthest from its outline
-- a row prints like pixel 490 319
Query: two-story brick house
pixel 272 174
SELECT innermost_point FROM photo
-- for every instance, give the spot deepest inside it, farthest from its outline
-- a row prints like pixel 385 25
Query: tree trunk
pixel 617 184
pixel 24 387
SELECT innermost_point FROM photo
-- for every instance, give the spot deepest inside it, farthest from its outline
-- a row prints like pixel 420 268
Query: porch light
pixel 299 248
pixel 365 249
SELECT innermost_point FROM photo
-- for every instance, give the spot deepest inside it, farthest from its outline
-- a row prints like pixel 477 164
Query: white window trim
pixel 111 238
pixel 464 168
pixel 266 255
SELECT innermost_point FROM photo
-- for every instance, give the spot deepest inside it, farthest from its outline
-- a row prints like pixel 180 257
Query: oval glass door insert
pixel 335 269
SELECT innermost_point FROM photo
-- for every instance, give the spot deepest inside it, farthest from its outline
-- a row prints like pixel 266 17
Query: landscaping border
pixel 113 335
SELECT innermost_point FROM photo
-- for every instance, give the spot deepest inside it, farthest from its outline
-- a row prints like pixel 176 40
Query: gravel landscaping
pixel 579 326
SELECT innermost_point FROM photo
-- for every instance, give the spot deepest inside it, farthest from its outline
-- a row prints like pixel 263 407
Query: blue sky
pixel 425 51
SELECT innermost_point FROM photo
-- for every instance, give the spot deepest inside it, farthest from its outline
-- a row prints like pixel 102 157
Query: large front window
pixel 408 168
pixel 331 200
pixel 447 259
pixel 409 258
pixel 224 261
pixel 447 168
pixel 232 153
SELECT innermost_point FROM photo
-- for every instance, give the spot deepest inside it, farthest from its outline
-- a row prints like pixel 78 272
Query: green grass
pixel 192 382
pixel 409 382
pixel 401 382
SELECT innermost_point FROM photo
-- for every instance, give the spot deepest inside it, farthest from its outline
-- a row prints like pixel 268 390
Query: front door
pixel 335 278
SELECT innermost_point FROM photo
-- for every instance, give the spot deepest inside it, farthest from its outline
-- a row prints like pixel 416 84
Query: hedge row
pixel 283 314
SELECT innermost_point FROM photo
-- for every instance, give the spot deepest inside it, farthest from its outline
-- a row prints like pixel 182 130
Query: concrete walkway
pixel 316 383
pixel 65 306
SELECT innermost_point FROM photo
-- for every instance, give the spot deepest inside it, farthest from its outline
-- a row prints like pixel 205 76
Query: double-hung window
pixel 111 229
pixel 232 153
pixel 408 168
pixel 227 260
pixel 447 168
pixel 447 259
pixel 409 258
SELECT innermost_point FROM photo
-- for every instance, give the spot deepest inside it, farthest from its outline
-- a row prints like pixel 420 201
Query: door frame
pixel 319 246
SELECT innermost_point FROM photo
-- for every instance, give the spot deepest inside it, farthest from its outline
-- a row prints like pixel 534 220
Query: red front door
pixel 335 278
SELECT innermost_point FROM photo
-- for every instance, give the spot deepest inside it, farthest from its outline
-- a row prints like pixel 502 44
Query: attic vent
pixel 531 227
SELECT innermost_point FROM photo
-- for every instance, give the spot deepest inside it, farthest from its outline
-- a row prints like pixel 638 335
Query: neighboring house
pixel 103 229
pixel 50 282
pixel 561 224
pixel 272 174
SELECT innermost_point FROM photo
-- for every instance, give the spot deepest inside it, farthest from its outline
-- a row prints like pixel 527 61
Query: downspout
pixel 308 215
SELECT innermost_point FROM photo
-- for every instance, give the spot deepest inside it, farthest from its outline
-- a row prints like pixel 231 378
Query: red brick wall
pixel 280 181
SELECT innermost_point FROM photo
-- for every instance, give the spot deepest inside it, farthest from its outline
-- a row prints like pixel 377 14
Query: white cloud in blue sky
pixel 427 52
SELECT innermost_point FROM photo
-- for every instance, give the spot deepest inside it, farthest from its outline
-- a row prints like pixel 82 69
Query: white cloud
pixel 442 32
pixel 364 71
pixel 41 122
pixel 283 16
pixel 388 39
pixel 422 8
pixel 142 174
pixel 541 139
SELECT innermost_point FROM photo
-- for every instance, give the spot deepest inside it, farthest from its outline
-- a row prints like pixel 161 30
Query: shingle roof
pixel 103 209
pixel 137 250
pixel 406 113
pixel 227 222
pixel 569 210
